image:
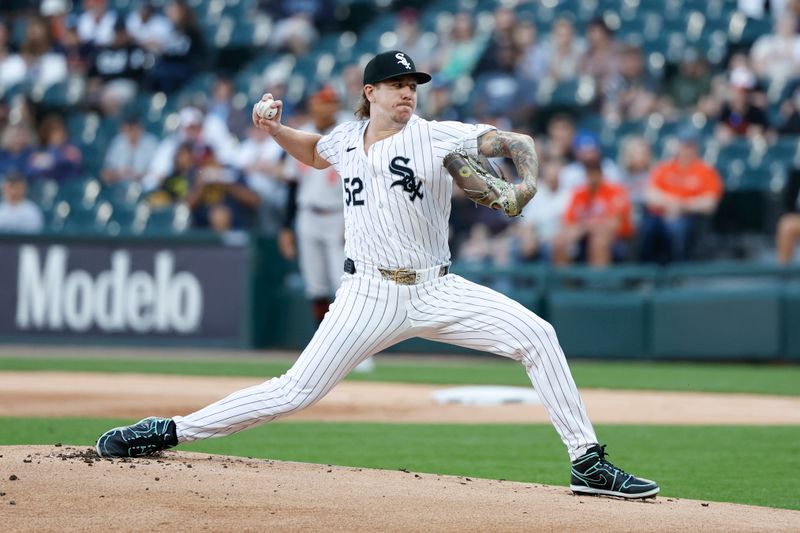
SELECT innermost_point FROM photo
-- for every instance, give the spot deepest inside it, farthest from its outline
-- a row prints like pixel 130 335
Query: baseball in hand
pixel 264 109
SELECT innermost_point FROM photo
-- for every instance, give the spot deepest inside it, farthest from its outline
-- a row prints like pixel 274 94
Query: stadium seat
pixel 121 193
pixel 43 193
pixel 577 93
pixel 90 220
pixel 80 193
pixel 128 220
pixel 55 216
pixel 168 220
pixel 743 30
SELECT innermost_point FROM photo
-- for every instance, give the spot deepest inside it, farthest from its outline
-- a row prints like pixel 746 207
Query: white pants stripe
pixel 369 315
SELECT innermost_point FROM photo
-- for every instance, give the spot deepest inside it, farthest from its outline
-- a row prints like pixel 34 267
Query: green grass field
pixel 732 463
pixel 755 379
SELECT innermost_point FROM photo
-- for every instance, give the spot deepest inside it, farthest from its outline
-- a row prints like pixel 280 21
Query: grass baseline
pixel 739 464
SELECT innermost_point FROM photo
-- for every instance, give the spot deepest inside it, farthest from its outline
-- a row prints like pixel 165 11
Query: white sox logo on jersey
pixel 409 181
pixel 402 60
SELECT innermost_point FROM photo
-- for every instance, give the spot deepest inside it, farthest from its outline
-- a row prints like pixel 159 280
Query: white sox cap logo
pixel 402 60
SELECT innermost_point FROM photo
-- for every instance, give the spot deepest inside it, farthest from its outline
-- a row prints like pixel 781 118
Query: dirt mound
pixel 66 488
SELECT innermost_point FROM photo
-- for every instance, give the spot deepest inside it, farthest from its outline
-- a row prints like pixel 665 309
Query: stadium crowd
pixel 646 153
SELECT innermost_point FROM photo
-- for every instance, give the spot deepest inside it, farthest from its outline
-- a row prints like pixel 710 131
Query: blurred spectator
pixel 597 224
pixel 192 127
pixel 16 146
pixel 588 155
pixel 776 56
pixel 633 93
pixel 77 54
pixel 564 51
pixel 500 53
pixel 12 67
pixel 789 115
pixel 788 232
pixel 222 108
pixel 542 217
pixel 298 22
pixel 116 71
pixel 96 23
pixel 219 196
pixel 531 66
pixel 560 137
pixel 45 61
pixel 56 158
pixel 636 162
pixel 262 160
pixel 175 187
pixel 352 80
pixel 476 248
pixel 692 81
pixel 150 29
pixel 5 114
pixel 459 53
pixel 410 39
pixel 128 157
pixel 55 13
pixel 681 196
pixel 183 53
pixel 17 213
pixel 439 103
pixel 602 57
pixel 740 115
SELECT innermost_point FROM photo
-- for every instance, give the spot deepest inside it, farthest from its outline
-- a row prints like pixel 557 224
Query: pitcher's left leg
pixel 466 314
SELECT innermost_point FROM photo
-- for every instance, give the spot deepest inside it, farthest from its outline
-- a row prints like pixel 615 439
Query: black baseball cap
pixel 392 64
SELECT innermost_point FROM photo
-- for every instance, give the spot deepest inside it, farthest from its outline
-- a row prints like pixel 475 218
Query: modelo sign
pixel 50 297
pixel 130 291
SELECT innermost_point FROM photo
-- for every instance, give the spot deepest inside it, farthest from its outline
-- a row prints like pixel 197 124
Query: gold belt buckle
pixel 401 276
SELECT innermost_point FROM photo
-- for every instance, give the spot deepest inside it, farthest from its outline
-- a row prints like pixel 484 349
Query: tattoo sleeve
pixel 521 150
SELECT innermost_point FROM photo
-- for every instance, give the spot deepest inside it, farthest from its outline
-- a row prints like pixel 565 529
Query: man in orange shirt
pixel 597 223
pixel 681 194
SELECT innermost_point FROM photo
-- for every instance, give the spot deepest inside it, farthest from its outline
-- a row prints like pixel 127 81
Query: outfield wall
pixel 206 291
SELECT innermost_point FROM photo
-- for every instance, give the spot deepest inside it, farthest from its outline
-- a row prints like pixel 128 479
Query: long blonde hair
pixel 362 108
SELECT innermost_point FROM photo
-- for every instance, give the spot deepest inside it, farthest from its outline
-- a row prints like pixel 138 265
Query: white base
pixel 487 395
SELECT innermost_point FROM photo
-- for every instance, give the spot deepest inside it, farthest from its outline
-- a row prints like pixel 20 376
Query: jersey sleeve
pixel 460 136
pixel 329 147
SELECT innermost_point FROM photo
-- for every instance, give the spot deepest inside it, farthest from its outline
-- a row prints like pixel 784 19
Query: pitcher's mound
pixel 67 488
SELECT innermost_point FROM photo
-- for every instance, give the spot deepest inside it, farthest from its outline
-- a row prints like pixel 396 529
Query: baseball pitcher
pixel 397 284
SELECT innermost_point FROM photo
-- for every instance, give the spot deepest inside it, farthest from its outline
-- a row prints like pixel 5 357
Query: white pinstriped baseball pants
pixel 369 315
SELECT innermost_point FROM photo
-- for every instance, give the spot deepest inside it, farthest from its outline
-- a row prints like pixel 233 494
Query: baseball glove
pixel 481 183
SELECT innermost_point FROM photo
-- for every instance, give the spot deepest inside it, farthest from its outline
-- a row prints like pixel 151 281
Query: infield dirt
pixel 66 488
pixel 57 394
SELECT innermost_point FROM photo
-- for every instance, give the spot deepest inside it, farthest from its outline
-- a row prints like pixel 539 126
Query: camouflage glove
pixel 481 184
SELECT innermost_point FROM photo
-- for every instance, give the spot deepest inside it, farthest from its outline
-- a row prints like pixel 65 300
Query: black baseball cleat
pixel 592 474
pixel 145 437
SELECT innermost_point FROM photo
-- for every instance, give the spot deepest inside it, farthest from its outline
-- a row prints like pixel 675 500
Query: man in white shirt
pixel 17 213
pixel 130 153
pixel 96 23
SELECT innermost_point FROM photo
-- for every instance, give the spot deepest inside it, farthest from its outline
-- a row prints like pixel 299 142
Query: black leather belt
pixel 401 276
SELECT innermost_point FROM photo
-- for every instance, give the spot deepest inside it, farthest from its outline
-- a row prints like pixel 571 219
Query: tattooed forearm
pixel 522 151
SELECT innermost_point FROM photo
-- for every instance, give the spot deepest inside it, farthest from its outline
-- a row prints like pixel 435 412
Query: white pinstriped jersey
pixel 397 195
